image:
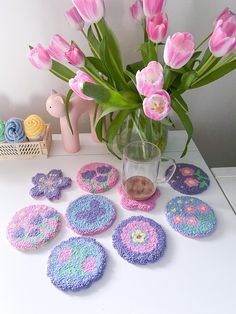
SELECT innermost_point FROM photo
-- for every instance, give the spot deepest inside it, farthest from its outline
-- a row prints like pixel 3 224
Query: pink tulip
pixel 91 11
pixel 76 84
pixel 150 79
pixel 137 10
pixel 157 107
pixel 58 47
pixel 40 58
pixel 224 15
pixel 179 49
pixel 153 7
pixel 74 19
pixel 223 39
pixel 157 27
pixel 75 56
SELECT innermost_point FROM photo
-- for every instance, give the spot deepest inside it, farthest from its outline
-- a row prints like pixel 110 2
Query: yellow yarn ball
pixel 34 127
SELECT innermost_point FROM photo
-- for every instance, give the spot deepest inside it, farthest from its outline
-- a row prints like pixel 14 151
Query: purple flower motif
pixel 101 179
pixel 37 220
pixel 49 185
pixel 34 233
pixel 94 212
pixel 19 233
pixel 104 169
pixel 88 175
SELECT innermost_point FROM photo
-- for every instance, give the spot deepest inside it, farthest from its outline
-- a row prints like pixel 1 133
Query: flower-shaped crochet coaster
pixel 49 185
pixel 139 240
pixel 90 214
pixel 97 177
pixel 130 204
pixel 190 216
pixel 189 179
pixel 33 226
pixel 76 263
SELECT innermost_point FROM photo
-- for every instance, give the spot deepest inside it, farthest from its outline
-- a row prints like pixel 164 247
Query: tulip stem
pixel 96 54
pixel 206 66
pixel 203 42
pixel 157 50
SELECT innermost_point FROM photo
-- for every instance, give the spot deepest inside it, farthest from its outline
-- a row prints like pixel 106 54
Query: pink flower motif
pixel 203 208
pixel 64 255
pixel 178 219
pixel 189 209
pixel 76 83
pixel 191 182
pixel 157 107
pixel 186 172
pixel 192 221
pixel 88 264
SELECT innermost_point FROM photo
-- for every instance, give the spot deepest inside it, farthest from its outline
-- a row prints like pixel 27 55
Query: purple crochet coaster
pixel 189 179
pixel 49 185
pixel 33 226
pixel 97 177
pixel 139 240
pixel 76 264
pixel 90 214
pixel 190 216
pixel 130 204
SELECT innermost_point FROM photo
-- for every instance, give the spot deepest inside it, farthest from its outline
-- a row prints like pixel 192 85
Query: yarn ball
pixel 97 177
pixel 90 214
pixel 190 216
pixel 139 240
pixel 33 227
pixel 2 131
pixel 189 179
pixel 34 127
pixel 14 131
pixel 76 264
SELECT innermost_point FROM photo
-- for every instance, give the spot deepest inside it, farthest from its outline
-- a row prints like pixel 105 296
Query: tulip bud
pixel 157 107
pixel 157 27
pixel 40 58
pixel 178 50
pixel 91 11
pixel 74 19
pixel 58 47
pixel 76 83
pixel 137 10
pixel 153 7
pixel 224 15
pixel 75 56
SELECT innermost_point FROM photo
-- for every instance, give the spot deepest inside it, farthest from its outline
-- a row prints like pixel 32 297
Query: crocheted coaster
pixel 97 177
pixel 76 263
pixel 49 185
pixel 130 204
pixel 139 240
pixel 190 216
pixel 189 179
pixel 90 214
pixel 33 226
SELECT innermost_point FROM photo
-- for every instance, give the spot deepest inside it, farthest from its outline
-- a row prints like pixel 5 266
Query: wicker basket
pixel 27 150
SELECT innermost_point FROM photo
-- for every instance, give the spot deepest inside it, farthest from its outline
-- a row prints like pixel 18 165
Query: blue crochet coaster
pixel 90 214
pixel 76 264
pixel 189 179
pixel 190 216
pixel 139 240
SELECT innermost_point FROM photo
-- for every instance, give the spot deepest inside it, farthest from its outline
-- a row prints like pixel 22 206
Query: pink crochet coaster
pixel 97 177
pixel 131 204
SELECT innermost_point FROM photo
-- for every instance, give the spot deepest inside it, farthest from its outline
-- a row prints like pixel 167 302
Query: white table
pixel 193 276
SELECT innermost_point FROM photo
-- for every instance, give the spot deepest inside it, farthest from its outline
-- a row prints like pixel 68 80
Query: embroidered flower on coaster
pixel 97 177
pixel 130 204
pixel 90 214
pixel 190 216
pixel 49 185
pixel 139 240
pixel 76 264
pixel 33 226
pixel 189 179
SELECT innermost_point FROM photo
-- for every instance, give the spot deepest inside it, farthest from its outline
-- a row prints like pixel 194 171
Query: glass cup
pixel 141 167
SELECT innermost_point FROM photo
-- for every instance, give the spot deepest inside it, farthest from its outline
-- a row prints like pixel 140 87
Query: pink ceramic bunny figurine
pixel 56 107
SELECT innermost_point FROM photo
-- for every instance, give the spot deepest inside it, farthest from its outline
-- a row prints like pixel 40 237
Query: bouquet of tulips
pixel 151 85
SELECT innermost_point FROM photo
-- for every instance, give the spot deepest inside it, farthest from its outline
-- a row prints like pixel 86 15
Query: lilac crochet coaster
pixel 97 177
pixel 33 226
pixel 90 214
pixel 76 264
pixel 139 240
pixel 130 204
pixel 189 179
pixel 190 216
pixel 49 185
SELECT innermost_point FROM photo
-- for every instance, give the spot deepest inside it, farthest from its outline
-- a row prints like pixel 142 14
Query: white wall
pixel 23 89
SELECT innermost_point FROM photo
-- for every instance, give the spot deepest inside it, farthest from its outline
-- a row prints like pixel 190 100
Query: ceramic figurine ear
pixel 54 92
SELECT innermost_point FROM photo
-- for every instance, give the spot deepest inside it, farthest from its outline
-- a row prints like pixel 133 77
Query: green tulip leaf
pixel 93 42
pixel 187 79
pixel 148 52
pixel 135 67
pixel 62 71
pixel 67 108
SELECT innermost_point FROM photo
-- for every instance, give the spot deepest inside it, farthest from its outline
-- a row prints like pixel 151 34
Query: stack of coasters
pixel 130 204
pixel 189 179
pixel 90 214
pixel 190 216
pixel 97 177
pixel 76 263
pixel 33 226
pixel 139 240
